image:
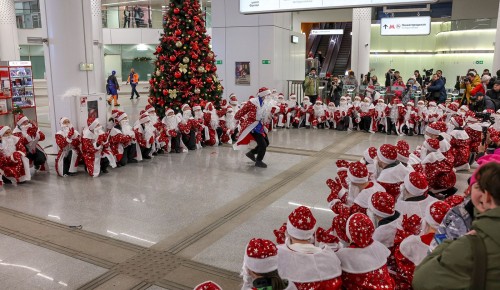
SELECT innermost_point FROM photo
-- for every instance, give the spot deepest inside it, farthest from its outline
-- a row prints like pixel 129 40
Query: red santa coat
pixel 249 116
pixel 211 122
pixel 439 172
pixel 31 139
pixel 68 141
pixel 409 254
pixel 460 147
pixel 309 267
pixel 475 133
pixel 117 142
pixel 392 177
pixel 95 147
pixel 14 165
pixel 365 268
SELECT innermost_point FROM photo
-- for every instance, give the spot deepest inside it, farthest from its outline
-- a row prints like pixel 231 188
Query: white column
pixel 71 38
pixel 9 44
pixel 496 56
pixel 361 33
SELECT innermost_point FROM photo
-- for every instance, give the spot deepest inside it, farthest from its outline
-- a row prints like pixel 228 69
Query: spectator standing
pixel 133 79
pixel 436 90
pixel 493 80
pixel 335 91
pixel 321 59
pixel 350 80
pixel 138 16
pixel 126 17
pixel 390 77
pixel 112 88
pixel 311 85
pixel 471 81
pixel 494 94
pixel 417 77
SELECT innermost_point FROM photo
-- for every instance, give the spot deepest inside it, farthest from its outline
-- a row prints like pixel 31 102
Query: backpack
pixel 478 279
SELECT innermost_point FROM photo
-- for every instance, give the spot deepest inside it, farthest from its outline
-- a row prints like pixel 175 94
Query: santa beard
pixel 394 113
pixel 8 145
pixel 126 128
pixel 291 103
pixel 198 115
pixel 186 115
pixel 365 107
pixel 319 111
pixel 230 122
pixel 171 123
pixel 356 103
pixel 153 118
pixel 214 120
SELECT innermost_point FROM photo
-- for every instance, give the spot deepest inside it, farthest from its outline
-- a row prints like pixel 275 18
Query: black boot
pixel 260 164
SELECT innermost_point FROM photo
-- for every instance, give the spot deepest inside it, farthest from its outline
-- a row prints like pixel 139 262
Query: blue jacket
pixel 438 86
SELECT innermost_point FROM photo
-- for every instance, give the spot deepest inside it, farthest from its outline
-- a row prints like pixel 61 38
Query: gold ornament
pixel 201 69
pixel 197 91
pixel 185 59
pixel 178 44
pixel 183 68
pixel 173 93
pixel 158 72
pixel 210 55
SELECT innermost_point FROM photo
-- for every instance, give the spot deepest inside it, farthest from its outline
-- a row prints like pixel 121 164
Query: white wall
pixel 474 9
pixel 253 38
pixel 131 35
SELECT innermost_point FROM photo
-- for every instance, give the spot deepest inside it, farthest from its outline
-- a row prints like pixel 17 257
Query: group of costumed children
pixel 387 209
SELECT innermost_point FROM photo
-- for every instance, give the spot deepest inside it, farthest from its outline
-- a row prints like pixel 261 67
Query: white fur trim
pixel 298 233
pixel 377 212
pixel 413 190
pixel 196 287
pixel 476 127
pixel 3 130
pixel 402 158
pixel 355 179
pixel 383 159
pixel 459 134
pixel 264 93
pixel 414 249
pixel 363 260
pixel 428 218
pixel 428 129
pixel 94 124
pixel 266 265
pixel 120 117
pixel 22 120
pixel 433 157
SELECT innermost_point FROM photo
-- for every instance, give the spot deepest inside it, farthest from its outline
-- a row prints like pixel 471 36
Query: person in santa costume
pixel 395 117
pixel 233 102
pixel 31 136
pixel 281 111
pixel 95 149
pixel 305 114
pixel 154 125
pixel 403 149
pixel 292 108
pixel 385 217
pixel 475 132
pixel 122 141
pixel 260 266
pixel 330 112
pixel 421 117
pixel 433 113
pixel 188 127
pixel 251 117
pixel 69 154
pixel 301 262
pixel 367 112
pixel 355 113
pixel 208 285
pixel 171 122
pixel 14 165
pixel 390 172
pixel 434 215
pixel 145 136
pixel 341 116
pixel 320 115
pixel 364 262
pixel 213 131
pixel 414 198
pixel 379 119
pixel 438 170
pixel 369 160
pixel 411 118
pixel 460 144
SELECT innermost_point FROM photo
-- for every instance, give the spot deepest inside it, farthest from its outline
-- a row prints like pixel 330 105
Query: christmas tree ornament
pixel 172 58
pixel 197 91
pixel 158 72
pixel 178 44
pixel 185 60
pixel 183 68
pixel 201 69
pixel 177 74
pixel 173 93
pixel 177 10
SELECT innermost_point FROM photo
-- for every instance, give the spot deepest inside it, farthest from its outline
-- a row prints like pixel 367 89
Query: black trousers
pixel 190 140
pixel 129 153
pixel 104 163
pixel 67 162
pixel 313 99
pixel 234 137
pixel 262 143
pixel 176 143
pixel 134 91
pixel 343 125
pixel 38 158
pixel 145 151
pixel 126 22
pixel 365 123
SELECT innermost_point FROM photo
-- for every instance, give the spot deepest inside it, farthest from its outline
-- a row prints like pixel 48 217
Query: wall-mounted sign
pixel 406 26
pixel 219 61
pixel 19 63
pixel 263 6
pixel 242 73
pixel 479 62
pixel 295 39
pixel 327 32
pixel 266 61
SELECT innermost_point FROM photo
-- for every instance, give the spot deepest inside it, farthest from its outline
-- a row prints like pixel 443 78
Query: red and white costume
pixel 460 144
pixel 438 169
pixel 475 132
pixel 155 126
pixel 330 110
pixel 392 176
pixel 233 102
pixel 228 125
pixel 145 134
pixel 249 117
pixel 320 114
pixel 208 285
pixel 411 117
pixel 13 162
pixel 354 112
pixel 305 113
pixel 364 262
pixel 414 198
pixel 171 122
pixel 67 140
pixel 211 121
pixel 305 265
pixel 410 253
pixel 396 112
pixel 281 111
pixel 421 117
pixel 31 136
pixel 369 158
pixel 121 138
pixel 380 114
pixel 341 117
pixel 382 207
pixel 95 146
pixel 367 109
pixel 433 113
pixel 292 108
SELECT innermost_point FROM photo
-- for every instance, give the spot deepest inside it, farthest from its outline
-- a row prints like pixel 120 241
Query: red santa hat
pixel 292 95
pixel 120 116
pixel 457 121
pixel 410 103
pixel 209 285
pixel 319 102
pixel 381 101
pixel 233 100
pixel 403 149
pixel 144 118
pixel 465 108
pixel 420 103
pixel 357 173
pixel 3 129
pixel 263 92
pixel 92 123
pixel 150 108
pixel 62 120
pixel 435 213
pixel 360 230
pixel 325 236
pixel 21 119
pixel 432 145
pixel 357 98
pixel 369 154
pixel 339 223
pixel 331 104
pixel 301 223
pixel 114 113
pixel 416 183
pixel 454 200
pixel 209 106
pixel 432 104
pixel 382 204
pixel 367 99
pixel 168 111
pixel 387 153
pixel 436 128
pixel 185 107
pixel 261 256
pixel 453 106
pixel 196 107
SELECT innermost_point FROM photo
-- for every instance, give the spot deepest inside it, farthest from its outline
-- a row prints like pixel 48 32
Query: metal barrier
pixel 295 87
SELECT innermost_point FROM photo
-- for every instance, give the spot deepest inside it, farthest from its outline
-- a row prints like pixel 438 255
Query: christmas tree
pixel 185 64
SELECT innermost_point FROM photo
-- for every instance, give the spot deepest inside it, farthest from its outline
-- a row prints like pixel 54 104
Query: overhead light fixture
pixel 142 47
pixel 125 2
pixel 327 32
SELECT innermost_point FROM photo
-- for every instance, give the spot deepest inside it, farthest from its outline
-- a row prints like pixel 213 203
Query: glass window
pixel 28 14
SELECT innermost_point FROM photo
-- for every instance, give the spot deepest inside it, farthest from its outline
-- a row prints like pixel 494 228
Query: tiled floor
pixel 25 266
pixel 155 202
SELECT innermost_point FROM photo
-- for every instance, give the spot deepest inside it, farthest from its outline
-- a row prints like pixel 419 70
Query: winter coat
pixel 450 266
pixel 438 86
pixel 468 88
pixel 311 85
pixel 480 106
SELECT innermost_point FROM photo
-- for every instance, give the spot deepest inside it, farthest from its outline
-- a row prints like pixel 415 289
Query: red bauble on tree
pixel 185 65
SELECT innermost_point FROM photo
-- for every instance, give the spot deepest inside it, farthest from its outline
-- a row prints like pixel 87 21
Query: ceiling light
pixel 142 47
